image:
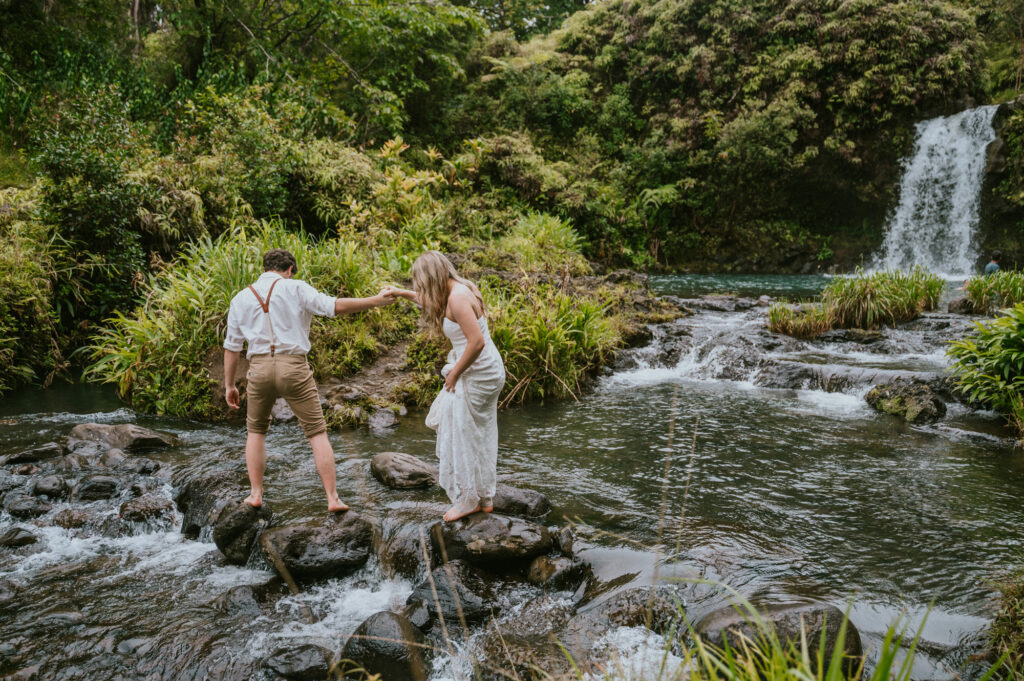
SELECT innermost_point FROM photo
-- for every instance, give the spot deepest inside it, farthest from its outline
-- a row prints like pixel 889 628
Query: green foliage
pixel 989 365
pixel 1005 288
pixel 1007 631
pixel 805 322
pixel 543 242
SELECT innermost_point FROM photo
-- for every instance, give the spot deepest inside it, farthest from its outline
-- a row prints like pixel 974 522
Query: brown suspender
pixel 266 310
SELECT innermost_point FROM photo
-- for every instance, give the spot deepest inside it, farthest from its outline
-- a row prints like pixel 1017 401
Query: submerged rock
pixel 458 585
pixel 729 624
pixel 961 305
pixel 148 508
pixel 556 573
pixel 17 536
pixel 306 662
pixel 491 539
pixel 521 645
pixel 8 594
pixel 126 436
pixel 23 506
pixel 327 547
pixel 71 518
pixel 95 487
pixel 388 644
pixel 235 528
pixel 402 471
pixel 913 402
pixel 521 502
pixel 51 450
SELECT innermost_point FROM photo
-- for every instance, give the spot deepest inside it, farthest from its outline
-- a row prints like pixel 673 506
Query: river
pixel 792 490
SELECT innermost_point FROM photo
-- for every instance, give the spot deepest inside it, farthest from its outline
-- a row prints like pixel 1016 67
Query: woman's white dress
pixel 466 421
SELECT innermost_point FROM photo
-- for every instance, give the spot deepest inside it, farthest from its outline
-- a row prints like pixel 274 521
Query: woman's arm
pixel 462 311
pixel 411 296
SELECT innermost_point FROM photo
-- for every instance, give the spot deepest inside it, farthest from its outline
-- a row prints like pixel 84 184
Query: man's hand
pixel 231 397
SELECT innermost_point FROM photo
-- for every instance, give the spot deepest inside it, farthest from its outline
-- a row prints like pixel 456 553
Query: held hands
pixel 231 397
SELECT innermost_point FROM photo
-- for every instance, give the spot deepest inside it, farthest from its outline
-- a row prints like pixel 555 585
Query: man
pixel 273 317
pixel 993 266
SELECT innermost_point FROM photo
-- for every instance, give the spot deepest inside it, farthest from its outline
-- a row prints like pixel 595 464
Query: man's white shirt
pixel 292 306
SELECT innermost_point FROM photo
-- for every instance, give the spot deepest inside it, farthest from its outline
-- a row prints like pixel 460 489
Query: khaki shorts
pixel 287 376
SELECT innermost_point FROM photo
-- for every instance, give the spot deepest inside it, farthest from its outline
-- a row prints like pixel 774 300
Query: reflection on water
pixel 792 286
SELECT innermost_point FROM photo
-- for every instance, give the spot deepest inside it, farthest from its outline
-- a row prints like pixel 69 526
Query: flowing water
pixel 794 488
pixel 934 224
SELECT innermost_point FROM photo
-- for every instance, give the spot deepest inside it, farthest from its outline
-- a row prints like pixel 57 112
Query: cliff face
pixel 1002 197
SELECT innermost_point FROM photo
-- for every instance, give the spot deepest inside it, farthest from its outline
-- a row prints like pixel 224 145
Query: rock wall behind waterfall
pixel 1002 218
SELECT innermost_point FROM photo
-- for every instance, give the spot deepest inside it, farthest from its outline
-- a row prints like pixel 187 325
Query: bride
pixel 465 412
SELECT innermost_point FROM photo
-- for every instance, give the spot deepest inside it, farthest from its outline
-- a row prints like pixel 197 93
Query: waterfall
pixel 934 224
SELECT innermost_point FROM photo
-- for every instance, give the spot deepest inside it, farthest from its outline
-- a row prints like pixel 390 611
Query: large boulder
pixel 332 546
pixel 491 539
pixel 306 662
pixel 388 644
pixel 235 529
pixel 402 471
pixel 913 402
pixel 459 585
pixel 201 497
pixel 525 503
pixel 126 436
pixel 95 487
pixel 787 620
pixel 51 450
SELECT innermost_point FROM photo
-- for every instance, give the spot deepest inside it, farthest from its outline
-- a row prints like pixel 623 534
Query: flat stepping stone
pixel 402 471
pixel 491 539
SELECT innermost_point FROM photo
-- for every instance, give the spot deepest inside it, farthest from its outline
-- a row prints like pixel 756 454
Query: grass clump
pixel 988 366
pixel 1006 635
pixel 863 301
pixel 1002 289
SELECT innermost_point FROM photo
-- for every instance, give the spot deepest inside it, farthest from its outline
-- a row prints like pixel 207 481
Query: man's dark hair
pixel 996 256
pixel 279 260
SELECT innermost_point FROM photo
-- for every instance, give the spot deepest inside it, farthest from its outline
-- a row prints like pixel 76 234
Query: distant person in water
pixel 465 412
pixel 272 316
pixel 993 266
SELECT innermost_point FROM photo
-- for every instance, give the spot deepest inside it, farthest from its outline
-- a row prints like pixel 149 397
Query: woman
pixel 465 412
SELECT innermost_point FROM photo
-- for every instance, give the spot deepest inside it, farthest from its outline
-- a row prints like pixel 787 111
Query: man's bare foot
pixel 454 513
pixel 335 505
pixel 255 500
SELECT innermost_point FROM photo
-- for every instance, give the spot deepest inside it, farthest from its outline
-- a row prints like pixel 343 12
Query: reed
pixel 868 301
pixel 808 321
pixel 994 291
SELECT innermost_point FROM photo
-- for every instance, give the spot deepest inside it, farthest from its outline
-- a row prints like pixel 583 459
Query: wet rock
pixel 521 645
pixel 388 644
pixel 305 662
pixel 399 548
pixel 27 469
pixel 240 600
pixel 86 449
pixel 418 613
pixel 382 419
pixel 961 305
pixel 51 450
pixel 23 506
pixel 52 486
pixel 17 536
pixel 94 487
pixel 60 619
pixel 491 539
pixel 126 436
pixel 402 471
pixel 521 502
pixel 150 509
pixel 281 411
pixel 72 462
pixel 458 584
pixel 143 465
pixel 235 529
pixel 71 518
pixel 913 402
pixel 860 336
pixel 331 546
pixel 556 573
pixel 199 497
pixel 568 542
pixel 8 483
pixel 8 594
pixel 729 624
pixel 113 457
pixel 657 608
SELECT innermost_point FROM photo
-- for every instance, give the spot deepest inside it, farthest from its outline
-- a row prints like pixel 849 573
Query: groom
pixel 273 317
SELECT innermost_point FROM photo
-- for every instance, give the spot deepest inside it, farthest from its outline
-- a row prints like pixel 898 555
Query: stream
pixel 793 487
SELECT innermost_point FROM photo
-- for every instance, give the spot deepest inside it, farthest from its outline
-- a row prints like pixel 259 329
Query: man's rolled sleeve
pixel 234 339
pixel 318 303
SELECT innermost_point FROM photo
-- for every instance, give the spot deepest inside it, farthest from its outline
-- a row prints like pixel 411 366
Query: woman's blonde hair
pixel 430 275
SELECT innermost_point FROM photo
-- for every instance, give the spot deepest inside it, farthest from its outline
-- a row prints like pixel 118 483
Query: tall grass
pixel 862 301
pixel 1002 289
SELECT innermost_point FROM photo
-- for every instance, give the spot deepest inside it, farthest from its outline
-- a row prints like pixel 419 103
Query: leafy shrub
pixel 543 242
pixel 1005 288
pixel 867 301
pixel 804 322
pixel 989 365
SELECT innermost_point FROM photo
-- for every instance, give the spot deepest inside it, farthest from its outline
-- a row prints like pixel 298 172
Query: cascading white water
pixel 934 224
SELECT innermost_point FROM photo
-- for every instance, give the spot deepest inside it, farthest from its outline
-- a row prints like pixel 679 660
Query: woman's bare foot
pixel 486 504
pixel 335 505
pixel 255 499
pixel 454 513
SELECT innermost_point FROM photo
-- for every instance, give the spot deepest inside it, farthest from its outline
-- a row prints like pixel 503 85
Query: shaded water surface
pixel 790 491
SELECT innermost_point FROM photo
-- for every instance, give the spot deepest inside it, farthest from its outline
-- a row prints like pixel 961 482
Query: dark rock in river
pixel 71 518
pixel 382 420
pixel 94 487
pixel 51 450
pixel 388 644
pixel 331 546
pixel 235 529
pixel 17 536
pixel 961 305
pixel 52 486
pixel 522 645
pixel 113 457
pixel 458 584
pixel 151 509
pixel 142 465
pixel 556 573
pixel 23 506
pixel 491 539
pixel 862 336
pixel 913 402
pixel 126 436
pixel 201 496
pixel 8 594
pixel 728 624
pixel 399 546
pixel 402 471
pixel 305 662
pixel 525 503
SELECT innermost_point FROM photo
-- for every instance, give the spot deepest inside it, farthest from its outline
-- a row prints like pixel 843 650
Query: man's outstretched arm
pixel 350 305
pixel 230 391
